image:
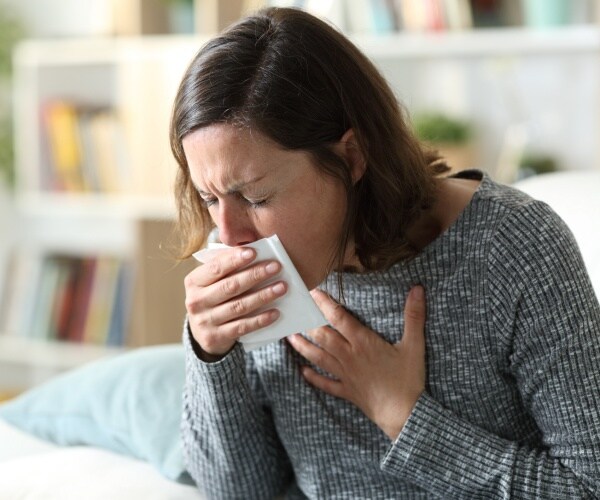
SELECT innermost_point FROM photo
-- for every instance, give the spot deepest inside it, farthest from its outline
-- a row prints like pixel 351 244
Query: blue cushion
pixel 130 404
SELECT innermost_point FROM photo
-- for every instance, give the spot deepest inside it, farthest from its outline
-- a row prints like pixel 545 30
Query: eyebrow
pixel 236 188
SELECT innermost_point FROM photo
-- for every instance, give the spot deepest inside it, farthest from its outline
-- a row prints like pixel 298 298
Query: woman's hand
pixel 384 380
pixel 220 306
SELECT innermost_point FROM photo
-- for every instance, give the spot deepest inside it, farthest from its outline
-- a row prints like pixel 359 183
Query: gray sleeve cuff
pixel 446 455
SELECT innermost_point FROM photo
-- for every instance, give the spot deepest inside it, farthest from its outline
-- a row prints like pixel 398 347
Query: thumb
pixel 414 318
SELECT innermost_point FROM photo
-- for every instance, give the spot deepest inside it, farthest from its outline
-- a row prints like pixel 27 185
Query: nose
pixel 235 227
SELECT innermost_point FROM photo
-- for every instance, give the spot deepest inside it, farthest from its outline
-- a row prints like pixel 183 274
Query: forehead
pixel 222 140
pixel 224 154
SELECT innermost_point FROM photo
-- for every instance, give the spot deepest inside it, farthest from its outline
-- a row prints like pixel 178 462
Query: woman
pixel 463 363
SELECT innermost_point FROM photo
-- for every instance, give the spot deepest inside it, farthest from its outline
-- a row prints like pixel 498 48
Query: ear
pixel 349 149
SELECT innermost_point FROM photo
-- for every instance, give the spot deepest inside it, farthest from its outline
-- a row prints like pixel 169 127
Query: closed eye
pixel 253 203
pixel 257 204
pixel 208 202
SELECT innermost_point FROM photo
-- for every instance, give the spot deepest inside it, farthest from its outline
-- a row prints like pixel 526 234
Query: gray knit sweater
pixel 512 401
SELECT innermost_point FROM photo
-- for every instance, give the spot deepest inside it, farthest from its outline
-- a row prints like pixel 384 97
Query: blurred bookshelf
pixel 90 271
pixel 94 171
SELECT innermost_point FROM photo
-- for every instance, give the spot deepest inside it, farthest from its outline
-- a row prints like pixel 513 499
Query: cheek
pixel 313 226
pixel 311 241
pixel 327 216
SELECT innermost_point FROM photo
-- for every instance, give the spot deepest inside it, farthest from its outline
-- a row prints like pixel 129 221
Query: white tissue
pixel 298 311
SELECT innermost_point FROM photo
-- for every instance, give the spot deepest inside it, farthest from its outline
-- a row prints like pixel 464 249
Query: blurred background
pixel 86 86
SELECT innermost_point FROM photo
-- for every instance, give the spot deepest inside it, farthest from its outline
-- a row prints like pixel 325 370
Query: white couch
pixel 575 196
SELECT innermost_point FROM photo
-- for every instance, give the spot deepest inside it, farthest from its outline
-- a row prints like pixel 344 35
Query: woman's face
pixel 253 189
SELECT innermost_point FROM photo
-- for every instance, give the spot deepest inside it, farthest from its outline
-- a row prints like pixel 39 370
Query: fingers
pixel 244 305
pixel 223 264
pixel 233 285
pixel 213 340
pixel 330 340
pixel 415 312
pixel 336 315
pixel 316 355
pixel 217 329
pixel 326 384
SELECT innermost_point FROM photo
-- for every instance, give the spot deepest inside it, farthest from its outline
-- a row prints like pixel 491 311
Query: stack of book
pixel 85 149
pixel 385 16
pixel 69 298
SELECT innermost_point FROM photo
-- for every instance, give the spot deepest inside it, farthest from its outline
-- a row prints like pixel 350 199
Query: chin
pixel 313 281
pixel 312 273
pixel 309 282
pixel 307 277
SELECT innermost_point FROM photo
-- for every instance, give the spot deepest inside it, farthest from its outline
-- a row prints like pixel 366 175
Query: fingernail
pixel 279 288
pixel 247 253
pixel 272 267
pixel 418 293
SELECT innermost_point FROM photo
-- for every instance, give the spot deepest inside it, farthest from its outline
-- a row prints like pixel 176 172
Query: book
pixel 65 296
pixel 122 306
pixel 86 146
pixel 81 300
pixel 62 131
pixel 413 14
pixel 436 20
pixel 60 297
pixel 19 293
pixel 108 150
pixel 89 160
pixel 371 16
pixel 431 15
pixel 488 13
pixel 458 14
pixel 44 299
pixel 101 301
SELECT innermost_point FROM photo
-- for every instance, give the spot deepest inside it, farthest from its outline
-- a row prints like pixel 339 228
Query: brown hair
pixel 301 83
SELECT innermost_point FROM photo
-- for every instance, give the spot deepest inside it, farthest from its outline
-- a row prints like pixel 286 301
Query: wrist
pixel 203 355
pixel 393 425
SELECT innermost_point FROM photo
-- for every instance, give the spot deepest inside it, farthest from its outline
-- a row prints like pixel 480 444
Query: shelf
pixel 40 53
pixel 92 205
pixel 51 355
pixel 481 42
pixel 25 363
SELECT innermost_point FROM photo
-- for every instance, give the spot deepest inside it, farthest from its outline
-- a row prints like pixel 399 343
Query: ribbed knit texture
pixel 512 401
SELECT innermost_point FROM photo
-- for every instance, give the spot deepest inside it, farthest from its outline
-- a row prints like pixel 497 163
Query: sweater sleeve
pixel 230 444
pixel 538 286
